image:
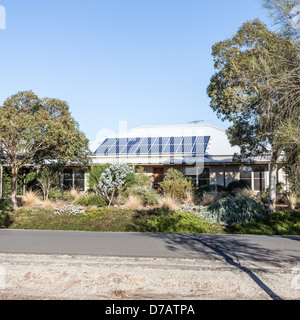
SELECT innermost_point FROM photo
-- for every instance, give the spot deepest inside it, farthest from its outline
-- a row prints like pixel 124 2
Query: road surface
pixel 148 245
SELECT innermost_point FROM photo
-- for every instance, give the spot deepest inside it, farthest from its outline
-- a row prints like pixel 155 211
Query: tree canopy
pixel 256 88
pixel 38 131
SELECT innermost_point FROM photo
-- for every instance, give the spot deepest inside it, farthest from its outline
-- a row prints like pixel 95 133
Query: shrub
pixel 209 198
pixel 48 205
pixel 74 193
pixel 264 194
pixel 57 194
pixel 241 193
pixel 238 184
pixel 133 203
pixel 168 202
pixel 113 180
pixel 291 199
pixel 31 198
pixel 5 219
pixel 278 223
pixel 91 199
pixel 141 178
pixel 175 184
pixel 5 204
pixel 228 211
pixel 167 221
pixel 70 211
pixel 95 174
pixel 211 188
pixel 148 195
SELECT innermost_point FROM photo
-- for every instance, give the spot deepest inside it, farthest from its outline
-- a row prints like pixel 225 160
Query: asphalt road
pixel 275 249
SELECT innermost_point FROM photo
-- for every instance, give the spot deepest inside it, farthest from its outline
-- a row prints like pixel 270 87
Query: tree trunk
pixel 272 186
pixel 14 188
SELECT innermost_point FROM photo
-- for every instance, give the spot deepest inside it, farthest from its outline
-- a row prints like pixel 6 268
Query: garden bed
pixel 77 218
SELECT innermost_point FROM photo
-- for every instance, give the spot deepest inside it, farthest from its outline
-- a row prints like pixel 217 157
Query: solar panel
pixel 153 146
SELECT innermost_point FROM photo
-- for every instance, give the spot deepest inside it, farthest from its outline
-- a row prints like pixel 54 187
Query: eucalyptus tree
pixel 38 131
pixel 285 15
pixel 255 70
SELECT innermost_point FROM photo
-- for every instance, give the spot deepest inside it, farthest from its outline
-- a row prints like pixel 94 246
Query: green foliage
pixel 57 194
pixel 148 195
pixel 238 184
pixel 31 181
pixel 264 194
pixel 141 187
pixel 47 178
pixel 288 140
pixel 7 177
pixel 91 199
pixel 130 180
pixel 141 178
pixel 166 221
pixel 175 184
pixel 278 223
pixel 5 204
pixel 5 219
pixel 97 213
pixel 36 131
pixel 95 174
pixel 209 188
pixel 228 211
pixel 159 220
pixel 254 88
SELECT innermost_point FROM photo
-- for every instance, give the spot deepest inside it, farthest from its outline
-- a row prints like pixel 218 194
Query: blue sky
pixel 147 62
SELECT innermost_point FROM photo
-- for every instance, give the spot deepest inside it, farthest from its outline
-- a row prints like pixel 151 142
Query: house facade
pixel 202 152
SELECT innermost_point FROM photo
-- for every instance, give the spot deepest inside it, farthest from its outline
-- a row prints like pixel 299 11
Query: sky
pixel 134 62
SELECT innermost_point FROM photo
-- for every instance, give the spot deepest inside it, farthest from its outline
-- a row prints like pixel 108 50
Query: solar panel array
pixel 153 146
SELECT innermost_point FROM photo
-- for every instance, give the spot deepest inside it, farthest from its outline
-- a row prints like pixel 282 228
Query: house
pixel 202 152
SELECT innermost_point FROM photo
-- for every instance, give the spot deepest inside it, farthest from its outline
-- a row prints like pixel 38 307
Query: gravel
pixel 72 277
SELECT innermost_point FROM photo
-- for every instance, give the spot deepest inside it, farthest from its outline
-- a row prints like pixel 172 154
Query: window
pixel 68 179
pixel 256 178
pixel 79 179
pixel 259 179
pixel 73 178
pixel 203 179
pixel 247 176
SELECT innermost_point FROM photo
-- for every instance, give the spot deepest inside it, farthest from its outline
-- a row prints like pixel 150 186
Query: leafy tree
pixel 288 139
pixel 38 131
pixel 47 178
pixel 285 15
pixel 113 180
pixel 249 89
